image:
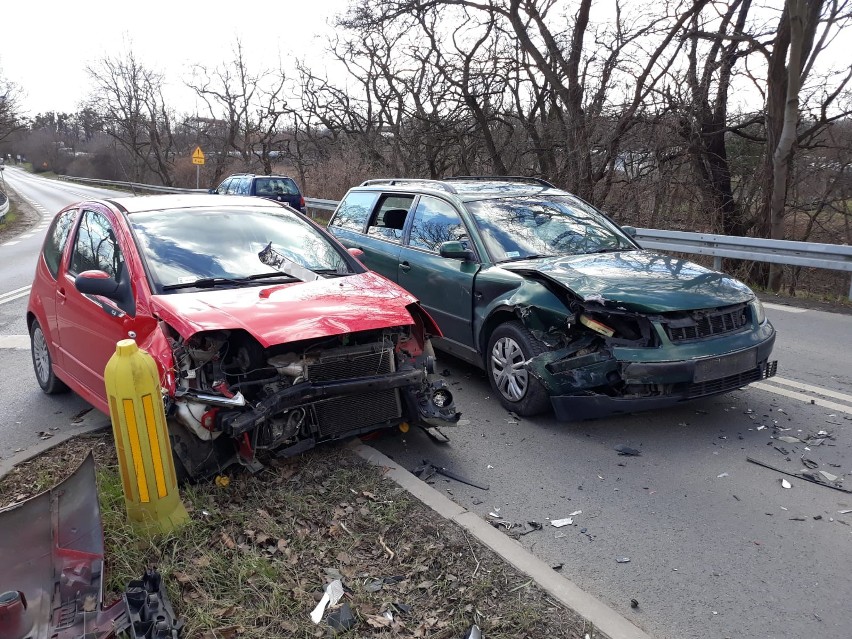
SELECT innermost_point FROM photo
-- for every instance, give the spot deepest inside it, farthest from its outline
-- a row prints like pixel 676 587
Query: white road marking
pixel 14 295
pixel 840 408
pixel 9 243
pixel 18 342
pixel 813 389
pixel 781 307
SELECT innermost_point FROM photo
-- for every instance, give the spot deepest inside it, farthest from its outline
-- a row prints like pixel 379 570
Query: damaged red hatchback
pixel 268 334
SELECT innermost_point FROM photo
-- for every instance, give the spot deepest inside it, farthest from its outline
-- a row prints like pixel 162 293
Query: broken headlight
pixel 758 311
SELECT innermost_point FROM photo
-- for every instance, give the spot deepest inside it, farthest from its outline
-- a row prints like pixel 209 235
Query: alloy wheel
pixel 41 357
pixel 507 368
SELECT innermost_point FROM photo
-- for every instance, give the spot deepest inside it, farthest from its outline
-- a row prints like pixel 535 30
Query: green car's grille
pixel 702 324
pixel 732 382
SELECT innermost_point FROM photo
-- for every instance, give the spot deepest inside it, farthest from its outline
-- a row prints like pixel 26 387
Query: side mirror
pixel 456 251
pixel 211 191
pixel 101 284
pixel 629 230
pixel 356 252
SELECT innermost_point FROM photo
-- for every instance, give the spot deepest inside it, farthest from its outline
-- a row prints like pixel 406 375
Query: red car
pixel 268 334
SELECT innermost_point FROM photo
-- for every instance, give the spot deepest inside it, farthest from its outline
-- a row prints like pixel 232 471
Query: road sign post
pixel 198 161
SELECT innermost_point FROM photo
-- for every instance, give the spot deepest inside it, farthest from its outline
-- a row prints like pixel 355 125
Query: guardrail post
pixel 142 440
pixel 717 263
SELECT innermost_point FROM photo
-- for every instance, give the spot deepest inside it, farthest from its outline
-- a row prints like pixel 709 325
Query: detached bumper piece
pixel 52 551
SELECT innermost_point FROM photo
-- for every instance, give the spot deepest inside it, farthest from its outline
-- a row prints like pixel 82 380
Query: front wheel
pixel 509 347
pixel 43 363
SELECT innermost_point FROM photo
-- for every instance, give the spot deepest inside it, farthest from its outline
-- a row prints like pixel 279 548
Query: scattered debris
pixel 473 633
pixel 558 523
pixel 333 593
pixel 788 439
pixel 427 469
pixel 828 476
pixel 804 476
pixel 623 449
pixel 623 560
pixel 634 603
pixel 845 512
pixel 786 484
pixel 44 434
pixel 809 462
pixel 575 513
pixel 557 566
pixel 721 475
pixel 342 619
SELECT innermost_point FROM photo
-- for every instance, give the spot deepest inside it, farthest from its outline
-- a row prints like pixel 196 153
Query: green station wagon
pixel 553 299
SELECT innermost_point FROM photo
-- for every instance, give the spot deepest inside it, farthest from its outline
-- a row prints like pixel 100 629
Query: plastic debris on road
pixel 623 449
pixel 623 560
pixel 558 523
pixel 721 475
pixel 788 439
pixel 828 476
pixel 786 484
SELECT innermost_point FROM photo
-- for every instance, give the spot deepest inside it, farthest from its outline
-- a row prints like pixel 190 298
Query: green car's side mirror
pixel 455 251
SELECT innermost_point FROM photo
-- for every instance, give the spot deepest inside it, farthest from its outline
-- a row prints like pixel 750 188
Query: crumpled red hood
pixel 276 314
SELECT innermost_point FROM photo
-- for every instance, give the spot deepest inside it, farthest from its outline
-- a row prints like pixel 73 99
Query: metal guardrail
pixel 4 205
pixel 812 254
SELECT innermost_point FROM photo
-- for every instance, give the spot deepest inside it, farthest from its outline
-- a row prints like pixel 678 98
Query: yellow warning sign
pixel 197 156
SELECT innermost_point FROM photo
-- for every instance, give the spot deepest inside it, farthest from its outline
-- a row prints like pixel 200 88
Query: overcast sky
pixel 45 45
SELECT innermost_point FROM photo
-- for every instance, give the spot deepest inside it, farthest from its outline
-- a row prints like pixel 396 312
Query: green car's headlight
pixel 759 312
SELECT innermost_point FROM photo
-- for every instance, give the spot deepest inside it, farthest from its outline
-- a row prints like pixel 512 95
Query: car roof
pixel 187 200
pixel 467 188
pixel 259 175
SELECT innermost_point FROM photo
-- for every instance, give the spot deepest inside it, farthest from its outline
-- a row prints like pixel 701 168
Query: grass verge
pixel 257 553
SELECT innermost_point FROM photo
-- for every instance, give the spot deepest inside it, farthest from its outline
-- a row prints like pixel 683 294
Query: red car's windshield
pixel 182 246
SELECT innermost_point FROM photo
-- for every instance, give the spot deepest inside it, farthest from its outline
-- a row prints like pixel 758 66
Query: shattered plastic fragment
pixel 786 484
pixel 626 450
pixel 576 512
pixel 722 475
pixel 623 560
pixel 828 476
pixel 333 593
pixel 558 523
pixel 473 633
pixel 342 619
pixel 789 439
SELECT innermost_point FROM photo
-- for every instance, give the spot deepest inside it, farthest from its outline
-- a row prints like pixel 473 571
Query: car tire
pixel 518 390
pixel 43 362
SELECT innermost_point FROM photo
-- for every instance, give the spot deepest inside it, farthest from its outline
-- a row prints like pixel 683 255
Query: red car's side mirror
pixel 356 252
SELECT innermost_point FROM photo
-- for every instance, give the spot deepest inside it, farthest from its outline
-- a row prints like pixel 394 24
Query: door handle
pixel 60 293
pixel 405 266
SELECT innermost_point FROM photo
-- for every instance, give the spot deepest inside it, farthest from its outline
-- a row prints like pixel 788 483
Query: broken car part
pixel 427 469
pixel 52 550
pixel 799 475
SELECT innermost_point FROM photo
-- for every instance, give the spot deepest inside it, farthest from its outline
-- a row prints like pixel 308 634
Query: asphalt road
pixel 717 547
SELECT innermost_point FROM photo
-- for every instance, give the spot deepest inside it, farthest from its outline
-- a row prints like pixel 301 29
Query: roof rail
pixel 438 184
pixel 501 178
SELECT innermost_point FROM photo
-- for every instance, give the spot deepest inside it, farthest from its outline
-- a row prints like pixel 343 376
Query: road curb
pixel 604 618
pixel 89 424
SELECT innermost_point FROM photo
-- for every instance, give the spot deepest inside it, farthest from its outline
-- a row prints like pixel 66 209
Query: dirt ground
pixel 21 217
pixel 259 549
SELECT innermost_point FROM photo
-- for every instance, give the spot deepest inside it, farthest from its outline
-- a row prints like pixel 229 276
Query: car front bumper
pixel 661 384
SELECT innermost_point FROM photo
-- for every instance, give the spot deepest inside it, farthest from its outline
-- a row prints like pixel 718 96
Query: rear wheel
pixel 43 363
pixel 509 347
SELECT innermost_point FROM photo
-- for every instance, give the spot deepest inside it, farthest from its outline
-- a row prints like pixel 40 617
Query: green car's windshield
pixel 192 248
pixel 542 226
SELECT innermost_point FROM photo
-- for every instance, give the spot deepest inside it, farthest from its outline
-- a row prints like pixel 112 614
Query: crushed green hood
pixel 639 280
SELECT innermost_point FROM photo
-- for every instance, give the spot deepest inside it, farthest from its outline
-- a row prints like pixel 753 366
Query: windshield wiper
pixel 212 282
pixel 611 249
pixel 534 256
pixel 331 272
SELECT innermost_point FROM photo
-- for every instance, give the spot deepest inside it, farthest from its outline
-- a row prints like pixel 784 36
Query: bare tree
pixel 128 97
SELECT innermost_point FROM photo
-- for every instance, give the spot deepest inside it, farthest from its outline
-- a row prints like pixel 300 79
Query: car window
pixel 520 227
pixel 435 221
pixel 57 238
pixel 243 186
pixel 275 186
pixel 96 247
pixel 181 247
pixel 223 187
pixel 233 186
pixel 353 210
pixel 389 219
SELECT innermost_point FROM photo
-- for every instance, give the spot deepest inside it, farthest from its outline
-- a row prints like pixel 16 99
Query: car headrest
pixel 395 218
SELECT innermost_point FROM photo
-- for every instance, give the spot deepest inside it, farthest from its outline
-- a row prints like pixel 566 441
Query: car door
pixel 382 237
pixel 90 326
pixel 444 286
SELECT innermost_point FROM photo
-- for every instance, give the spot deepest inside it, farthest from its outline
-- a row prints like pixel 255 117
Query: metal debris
pixel 427 469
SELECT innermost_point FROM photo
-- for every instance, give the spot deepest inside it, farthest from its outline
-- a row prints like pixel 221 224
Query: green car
pixel 553 299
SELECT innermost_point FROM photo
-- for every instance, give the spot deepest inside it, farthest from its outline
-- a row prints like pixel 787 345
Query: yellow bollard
pixel 142 440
